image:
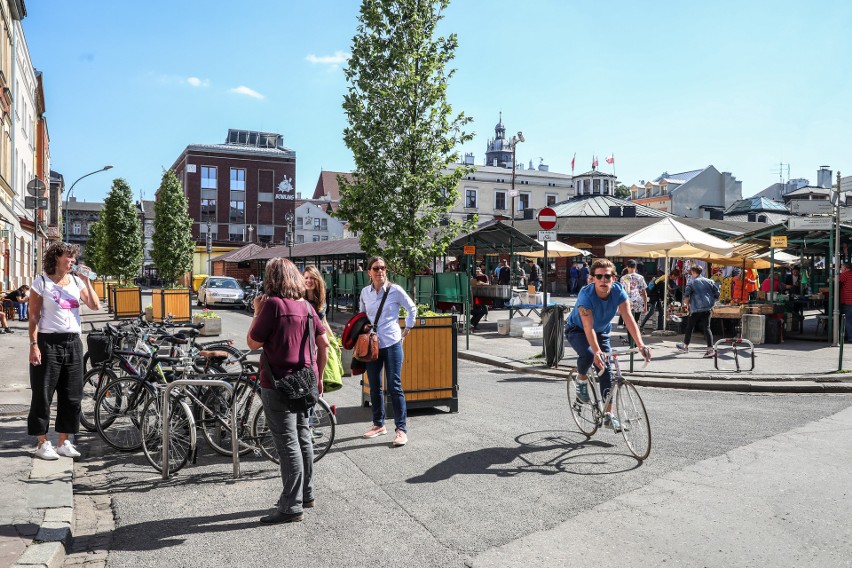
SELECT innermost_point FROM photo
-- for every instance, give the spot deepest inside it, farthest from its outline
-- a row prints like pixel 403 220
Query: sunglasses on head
pixel 604 276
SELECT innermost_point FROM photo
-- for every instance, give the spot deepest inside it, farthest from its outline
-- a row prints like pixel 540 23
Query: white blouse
pixel 60 308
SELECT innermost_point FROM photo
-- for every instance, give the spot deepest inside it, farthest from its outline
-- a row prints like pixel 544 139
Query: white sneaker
pixel 68 450
pixel 46 451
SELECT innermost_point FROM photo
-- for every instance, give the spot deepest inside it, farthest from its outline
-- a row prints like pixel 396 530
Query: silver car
pixel 220 291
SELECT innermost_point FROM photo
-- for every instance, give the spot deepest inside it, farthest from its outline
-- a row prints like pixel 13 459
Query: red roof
pixel 327 185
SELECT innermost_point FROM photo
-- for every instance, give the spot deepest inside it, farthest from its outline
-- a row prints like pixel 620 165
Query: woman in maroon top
pixel 280 326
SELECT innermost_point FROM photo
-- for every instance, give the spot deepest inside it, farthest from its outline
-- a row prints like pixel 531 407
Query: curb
pixel 830 383
pixel 50 488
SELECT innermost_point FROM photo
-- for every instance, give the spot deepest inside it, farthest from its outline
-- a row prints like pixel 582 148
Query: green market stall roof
pixel 494 237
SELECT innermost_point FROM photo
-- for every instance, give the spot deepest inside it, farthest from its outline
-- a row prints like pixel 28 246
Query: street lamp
pixel 68 196
pixel 289 232
pixel 515 140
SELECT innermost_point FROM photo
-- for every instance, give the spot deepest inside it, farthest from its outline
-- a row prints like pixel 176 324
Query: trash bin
pixel 553 322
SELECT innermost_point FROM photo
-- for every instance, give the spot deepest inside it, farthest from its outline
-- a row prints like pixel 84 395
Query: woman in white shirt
pixel 390 347
pixel 56 352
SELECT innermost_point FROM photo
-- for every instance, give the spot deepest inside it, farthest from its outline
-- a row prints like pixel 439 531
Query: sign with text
pixel 809 223
pixel 778 242
pixel 549 236
pixel 469 249
pixel 804 206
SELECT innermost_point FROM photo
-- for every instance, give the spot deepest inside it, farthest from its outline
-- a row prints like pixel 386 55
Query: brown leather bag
pixel 367 344
pixel 367 347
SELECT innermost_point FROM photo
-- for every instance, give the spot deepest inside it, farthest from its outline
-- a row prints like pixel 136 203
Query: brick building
pixel 241 189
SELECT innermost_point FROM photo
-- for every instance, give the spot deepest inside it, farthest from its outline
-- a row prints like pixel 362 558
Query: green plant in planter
pixel 149 307
pixel 206 314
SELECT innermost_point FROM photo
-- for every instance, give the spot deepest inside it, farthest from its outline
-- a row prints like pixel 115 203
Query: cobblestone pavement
pixel 94 522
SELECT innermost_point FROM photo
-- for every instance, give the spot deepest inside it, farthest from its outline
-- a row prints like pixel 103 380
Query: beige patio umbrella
pixel 669 238
pixel 555 249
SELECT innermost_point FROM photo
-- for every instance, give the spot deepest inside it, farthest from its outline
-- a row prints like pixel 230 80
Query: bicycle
pixel 322 422
pixel 629 408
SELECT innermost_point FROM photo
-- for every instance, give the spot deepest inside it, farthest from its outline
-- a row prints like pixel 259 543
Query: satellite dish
pixel 35 187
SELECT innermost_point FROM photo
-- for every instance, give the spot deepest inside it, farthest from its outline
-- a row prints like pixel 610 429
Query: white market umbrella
pixel 555 249
pixel 667 238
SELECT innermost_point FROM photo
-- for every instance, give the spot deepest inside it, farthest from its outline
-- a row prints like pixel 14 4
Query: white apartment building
pixel 314 224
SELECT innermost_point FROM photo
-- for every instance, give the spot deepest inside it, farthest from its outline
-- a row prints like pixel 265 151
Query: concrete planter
pixel 212 326
pixel 149 313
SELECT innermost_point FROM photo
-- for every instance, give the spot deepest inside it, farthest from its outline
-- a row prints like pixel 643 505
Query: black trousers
pixel 60 372
pixel 695 319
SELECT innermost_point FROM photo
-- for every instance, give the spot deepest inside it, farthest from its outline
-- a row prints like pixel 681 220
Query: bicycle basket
pixel 100 347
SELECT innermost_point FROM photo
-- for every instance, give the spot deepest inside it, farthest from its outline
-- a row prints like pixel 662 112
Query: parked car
pixel 220 291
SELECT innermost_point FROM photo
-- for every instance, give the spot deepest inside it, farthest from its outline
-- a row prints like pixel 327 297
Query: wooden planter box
pixel 126 302
pixel 174 301
pixel 100 287
pixel 429 367
pixel 212 326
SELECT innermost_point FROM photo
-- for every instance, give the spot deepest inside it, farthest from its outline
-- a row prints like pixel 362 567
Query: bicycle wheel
pixel 262 436
pixel 215 417
pixel 118 412
pixel 323 423
pixel 633 418
pixel 93 379
pixel 585 414
pixel 181 433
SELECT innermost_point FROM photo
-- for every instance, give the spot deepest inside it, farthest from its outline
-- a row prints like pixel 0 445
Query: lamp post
pixel 515 140
pixel 208 240
pixel 289 232
pixel 68 196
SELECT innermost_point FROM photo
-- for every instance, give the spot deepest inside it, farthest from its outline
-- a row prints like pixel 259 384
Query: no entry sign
pixel 547 218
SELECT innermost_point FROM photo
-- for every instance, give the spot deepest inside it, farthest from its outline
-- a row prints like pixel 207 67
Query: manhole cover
pixel 14 409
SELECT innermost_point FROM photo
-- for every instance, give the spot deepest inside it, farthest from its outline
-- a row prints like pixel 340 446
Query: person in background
pixel 4 324
pixel 480 277
pixel 20 299
pixel 738 287
pixel 56 351
pixel 280 327
pixel 573 279
pixel 504 273
pixel 846 297
pixel 699 296
pixel 636 288
pixel 534 274
pixel 775 284
pixel 793 282
pixel 520 275
pixel 655 296
pixel 390 347
pixel 584 276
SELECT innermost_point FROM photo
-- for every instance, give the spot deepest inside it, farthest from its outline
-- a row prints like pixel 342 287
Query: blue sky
pixel 664 86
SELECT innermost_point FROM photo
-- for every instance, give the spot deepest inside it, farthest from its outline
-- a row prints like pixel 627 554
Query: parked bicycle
pixel 629 407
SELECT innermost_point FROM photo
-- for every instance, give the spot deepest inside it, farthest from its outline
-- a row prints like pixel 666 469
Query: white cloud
pixel 331 60
pixel 249 92
pixel 196 82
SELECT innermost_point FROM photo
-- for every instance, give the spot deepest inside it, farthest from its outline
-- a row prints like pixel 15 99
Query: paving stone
pixel 59 515
pixel 48 554
pixel 54 532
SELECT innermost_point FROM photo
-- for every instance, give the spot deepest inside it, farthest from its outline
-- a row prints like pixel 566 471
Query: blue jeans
pixel 22 310
pixel 577 338
pixel 391 359
pixel 846 309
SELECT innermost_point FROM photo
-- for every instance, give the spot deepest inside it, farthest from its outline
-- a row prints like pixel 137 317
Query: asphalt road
pixel 508 468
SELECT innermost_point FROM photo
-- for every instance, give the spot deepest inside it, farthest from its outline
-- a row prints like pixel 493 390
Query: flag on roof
pixel 595 162
pixel 610 159
pixel 572 162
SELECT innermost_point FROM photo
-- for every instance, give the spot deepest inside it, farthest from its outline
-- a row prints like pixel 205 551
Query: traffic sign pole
pixel 547 219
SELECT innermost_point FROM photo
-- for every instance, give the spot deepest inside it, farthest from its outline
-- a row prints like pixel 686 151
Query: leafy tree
pixel 622 192
pixel 120 233
pixel 173 244
pixel 94 248
pixel 402 134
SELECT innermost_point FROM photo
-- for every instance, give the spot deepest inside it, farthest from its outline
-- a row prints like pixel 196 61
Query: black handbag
pixel 302 383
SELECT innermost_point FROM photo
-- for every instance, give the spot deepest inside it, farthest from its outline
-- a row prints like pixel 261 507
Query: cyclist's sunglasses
pixel 607 276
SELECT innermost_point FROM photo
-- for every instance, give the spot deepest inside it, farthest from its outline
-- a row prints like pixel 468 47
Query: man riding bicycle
pixel 589 325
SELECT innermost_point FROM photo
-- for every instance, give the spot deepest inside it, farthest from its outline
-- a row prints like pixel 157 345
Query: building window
pixel 324 238
pixel 316 223
pixel 208 210
pixel 235 237
pixel 596 187
pixel 523 201
pixel 500 200
pixel 470 198
pixel 238 212
pixel 323 224
pixel 299 223
pixel 208 177
pixel 316 238
pixel 264 239
pixel 78 227
pixel 550 199
pixel 238 179
pixel 300 239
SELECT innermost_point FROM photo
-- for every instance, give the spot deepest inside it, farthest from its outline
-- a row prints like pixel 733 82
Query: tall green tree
pixel 403 134
pixel 121 233
pixel 622 191
pixel 173 244
pixel 94 248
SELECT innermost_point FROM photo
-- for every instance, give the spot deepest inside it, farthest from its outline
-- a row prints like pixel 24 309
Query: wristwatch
pixel 33 342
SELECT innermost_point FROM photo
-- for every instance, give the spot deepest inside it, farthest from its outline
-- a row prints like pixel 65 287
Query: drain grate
pixel 14 409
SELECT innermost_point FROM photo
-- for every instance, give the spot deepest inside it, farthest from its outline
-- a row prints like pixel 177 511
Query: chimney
pixel 468 159
pixel 824 177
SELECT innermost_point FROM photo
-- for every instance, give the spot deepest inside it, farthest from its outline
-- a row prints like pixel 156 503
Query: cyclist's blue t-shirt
pixel 602 310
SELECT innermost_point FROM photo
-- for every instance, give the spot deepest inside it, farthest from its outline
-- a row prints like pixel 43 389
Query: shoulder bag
pixel 302 383
pixel 367 345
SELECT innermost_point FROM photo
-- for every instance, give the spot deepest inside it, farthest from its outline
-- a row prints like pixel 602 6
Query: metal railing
pixel 235 447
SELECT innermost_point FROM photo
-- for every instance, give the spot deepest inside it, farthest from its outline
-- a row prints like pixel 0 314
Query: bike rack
pixel 235 446
pixel 733 341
